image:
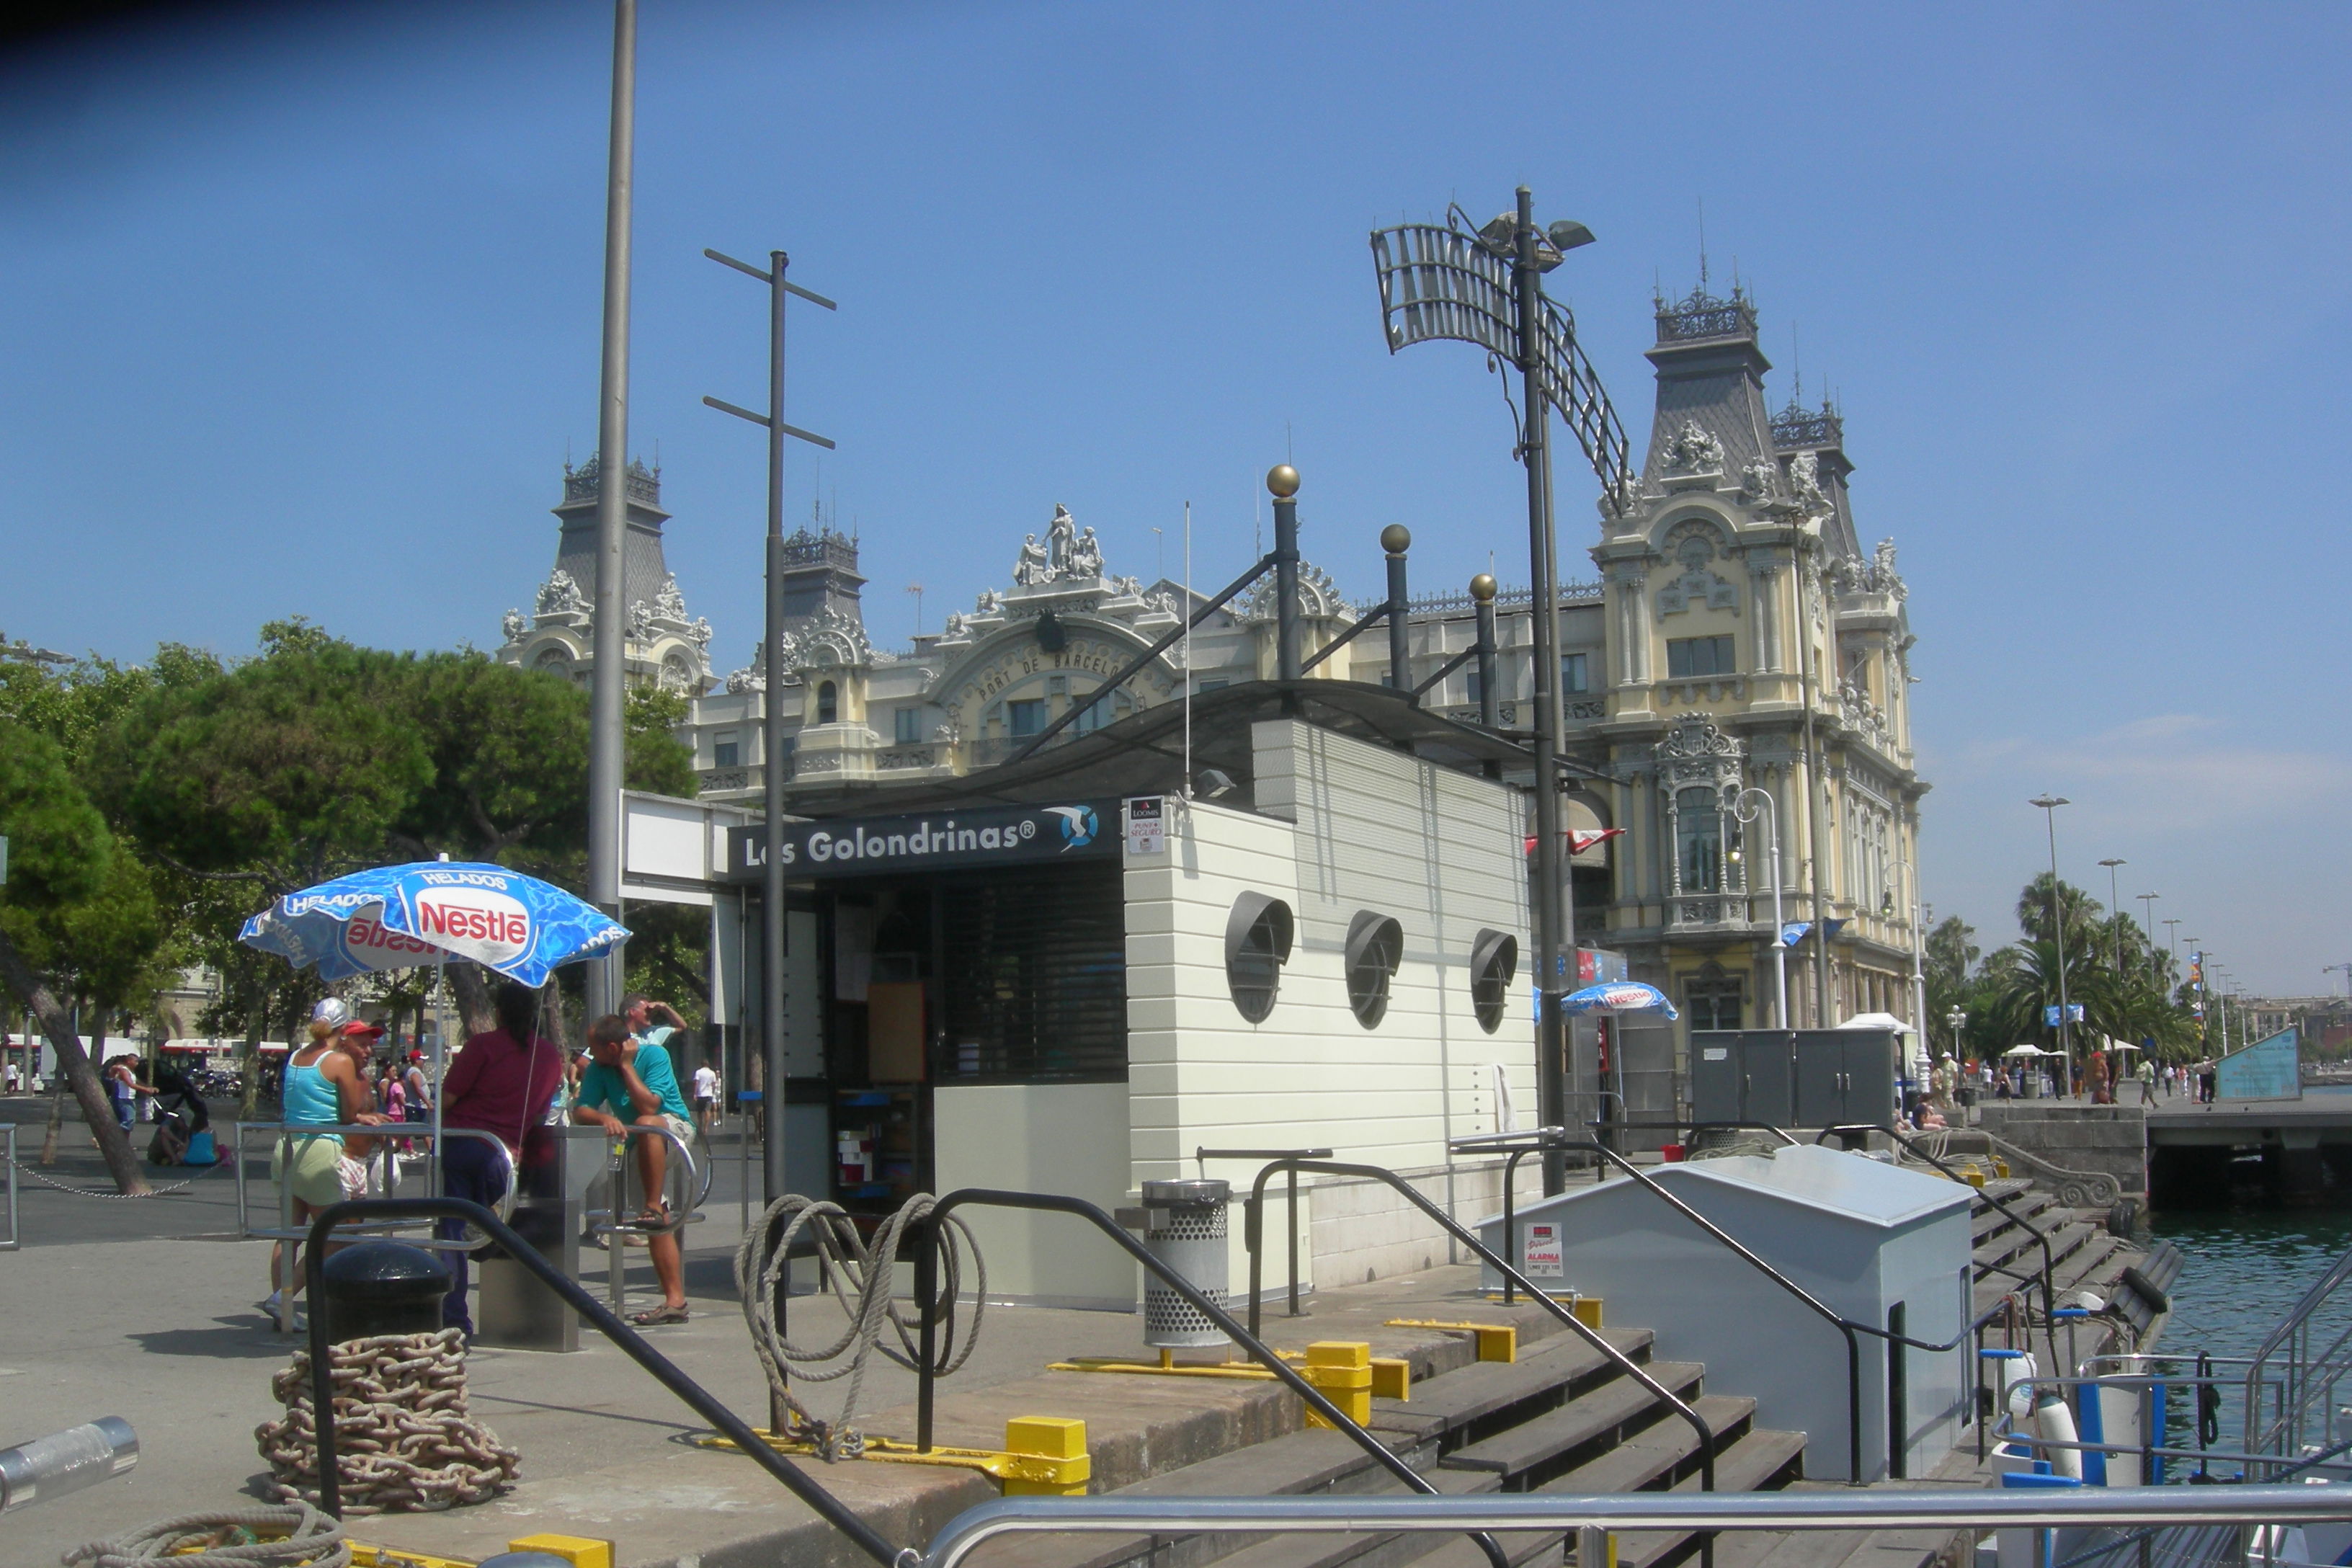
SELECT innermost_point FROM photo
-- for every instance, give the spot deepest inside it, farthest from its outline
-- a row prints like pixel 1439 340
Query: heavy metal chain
pixel 861 1282
pixel 404 1441
pixel 259 1537
pixel 90 1192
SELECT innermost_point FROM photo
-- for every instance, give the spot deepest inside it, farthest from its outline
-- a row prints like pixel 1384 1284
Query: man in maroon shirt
pixel 501 1083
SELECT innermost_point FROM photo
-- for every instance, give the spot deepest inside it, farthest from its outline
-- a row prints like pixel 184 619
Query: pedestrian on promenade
pixel 631 1082
pixel 324 1085
pixel 419 1088
pixel 502 1082
pixel 122 1086
pixel 2146 1076
pixel 705 1097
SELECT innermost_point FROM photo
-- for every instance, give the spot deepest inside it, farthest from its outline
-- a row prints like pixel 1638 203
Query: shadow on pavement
pixel 243 1337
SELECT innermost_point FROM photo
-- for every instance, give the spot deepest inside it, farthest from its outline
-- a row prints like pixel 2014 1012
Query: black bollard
pixel 383 1288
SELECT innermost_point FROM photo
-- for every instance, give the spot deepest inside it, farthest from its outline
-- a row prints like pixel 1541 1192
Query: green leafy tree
pixel 60 855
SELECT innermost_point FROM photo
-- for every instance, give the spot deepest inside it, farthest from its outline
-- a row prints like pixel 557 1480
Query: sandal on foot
pixel 662 1314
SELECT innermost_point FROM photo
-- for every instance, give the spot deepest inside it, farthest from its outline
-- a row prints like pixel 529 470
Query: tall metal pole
pixel 1552 1041
pixel 2115 904
pixel 2050 805
pixel 610 674
pixel 773 1184
pixel 1490 701
pixel 1282 482
pixel 1745 813
pixel 1395 540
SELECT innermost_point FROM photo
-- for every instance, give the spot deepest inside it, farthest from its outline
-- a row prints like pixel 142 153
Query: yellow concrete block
pixel 1045 1455
pixel 1496 1341
pixel 1339 1353
pixel 1586 1309
pixel 1342 1371
pixel 1391 1377
pixel 1045 1437
pixel 580 1550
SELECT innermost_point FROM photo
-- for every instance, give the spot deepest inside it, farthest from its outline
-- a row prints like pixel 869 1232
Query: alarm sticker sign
pixel 1539 1251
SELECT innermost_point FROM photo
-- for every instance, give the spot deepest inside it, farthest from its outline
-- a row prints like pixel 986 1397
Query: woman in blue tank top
pixel 322 1087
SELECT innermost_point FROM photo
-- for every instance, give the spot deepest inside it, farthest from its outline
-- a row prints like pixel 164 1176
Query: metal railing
pixel 1252 1237
pixel 2309 1382
pixel 1953 1509
pixel 1201 1158
pixel 293 1134
pixel 693 1186
pixel 927 1234
pixel 829 1508
pixel 15 1237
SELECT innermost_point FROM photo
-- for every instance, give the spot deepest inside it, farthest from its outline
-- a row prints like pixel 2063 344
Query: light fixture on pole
pixel 916 589
pixel 2115 910
pixel 1484 286
pixel 1743 813
pixel 774 758
pixel 2049 805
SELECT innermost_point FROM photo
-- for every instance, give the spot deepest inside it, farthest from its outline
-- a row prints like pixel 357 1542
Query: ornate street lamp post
pixel 1744 812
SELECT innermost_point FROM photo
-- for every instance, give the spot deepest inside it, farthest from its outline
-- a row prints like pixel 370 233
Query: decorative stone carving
pixel 1694 450
pixel 947 734
pixel 1758 479
pixel 1126 587
pixel 1085 559
pixel 1035 566
pixel 990 602
pixel 1622 499
pixel 1693 545
pixel 957 629
pixel 559 596
pixel 514 625
pixel 1805 481
pixel 700 633
pixel 669 604
pixel 641 621
pixel 831 637
pixel 1318 596
pixel 1061 536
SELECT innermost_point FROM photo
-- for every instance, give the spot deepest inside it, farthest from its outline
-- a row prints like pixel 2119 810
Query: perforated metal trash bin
pixel 1184 1227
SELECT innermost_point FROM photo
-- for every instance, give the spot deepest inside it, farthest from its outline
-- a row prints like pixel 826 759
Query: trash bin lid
pixel 385 1270
pixel 1179 1194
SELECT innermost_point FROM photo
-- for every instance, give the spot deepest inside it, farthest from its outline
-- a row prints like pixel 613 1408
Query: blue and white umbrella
pixel 1619 996
pixel 402 917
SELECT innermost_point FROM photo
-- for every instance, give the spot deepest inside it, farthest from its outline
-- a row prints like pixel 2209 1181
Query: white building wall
pixel 1341 826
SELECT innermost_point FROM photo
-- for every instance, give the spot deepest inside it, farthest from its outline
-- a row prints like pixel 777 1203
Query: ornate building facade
pixel 1739 639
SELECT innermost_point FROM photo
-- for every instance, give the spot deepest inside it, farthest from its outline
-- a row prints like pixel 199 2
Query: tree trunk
pixel 554 1014
pixel 113 1141
pixel 249 1056
pixel 471 988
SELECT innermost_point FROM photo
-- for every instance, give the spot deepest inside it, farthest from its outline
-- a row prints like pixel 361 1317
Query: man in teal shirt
pixel 628 1082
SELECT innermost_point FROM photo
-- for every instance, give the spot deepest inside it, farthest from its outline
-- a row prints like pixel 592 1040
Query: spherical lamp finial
pixel 1482 588
pixel 1282 481
pixel 1396 539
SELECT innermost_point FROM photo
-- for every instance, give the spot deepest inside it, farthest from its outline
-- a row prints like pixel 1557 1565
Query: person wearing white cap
pixel 323 1087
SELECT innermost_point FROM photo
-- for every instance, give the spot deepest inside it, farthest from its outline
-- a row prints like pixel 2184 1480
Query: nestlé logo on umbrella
pixel 479 923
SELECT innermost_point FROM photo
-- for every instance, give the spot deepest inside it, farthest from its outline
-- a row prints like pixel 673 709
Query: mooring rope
pixel 289 1535
pixel 861 1281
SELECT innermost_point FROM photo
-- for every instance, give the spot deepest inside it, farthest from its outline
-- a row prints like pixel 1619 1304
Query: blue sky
pixel 301 315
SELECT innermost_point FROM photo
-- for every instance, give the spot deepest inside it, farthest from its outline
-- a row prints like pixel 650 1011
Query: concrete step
pixel 1390 1551
pixel 1656 1456
pixel 1533 1451
pixel 1457 1408
pixel 1761 1460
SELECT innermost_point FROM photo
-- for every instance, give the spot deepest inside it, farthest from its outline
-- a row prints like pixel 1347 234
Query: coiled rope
pixel 860 1275
pixel 404 1441
pixel 295 1533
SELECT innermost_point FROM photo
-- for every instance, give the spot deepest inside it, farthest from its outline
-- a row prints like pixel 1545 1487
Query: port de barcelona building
pixel 1737 651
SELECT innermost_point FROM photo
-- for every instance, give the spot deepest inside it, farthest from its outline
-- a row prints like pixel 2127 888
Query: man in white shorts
pixel 705 1097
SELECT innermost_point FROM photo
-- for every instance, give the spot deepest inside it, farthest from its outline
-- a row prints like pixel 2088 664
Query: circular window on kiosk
pixel 1375 946
pixel 1257 944
pixel 1494 963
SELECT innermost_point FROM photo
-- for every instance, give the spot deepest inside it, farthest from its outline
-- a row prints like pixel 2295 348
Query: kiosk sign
pixel 1147 825
pixel 934 841
pixel 1539 1253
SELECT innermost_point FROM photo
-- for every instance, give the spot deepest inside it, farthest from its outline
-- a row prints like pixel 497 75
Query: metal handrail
pixel 387 1131
pixel 831 1508
pixel 927 1236
pixel 2041 1237
pixel 699 1177
pixel 2295 1396
pixel 15 1237
pixel 1549 1138
pixel 1201 1158
pixel 1568 1319
pixel 1952 1508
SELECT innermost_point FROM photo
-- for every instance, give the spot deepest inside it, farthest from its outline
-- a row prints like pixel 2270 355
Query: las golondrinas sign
pixel 931 841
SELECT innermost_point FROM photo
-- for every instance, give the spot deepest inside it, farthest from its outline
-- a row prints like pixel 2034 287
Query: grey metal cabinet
pixel 1845 1076
pixel 1742 1075
pixel 1804 1078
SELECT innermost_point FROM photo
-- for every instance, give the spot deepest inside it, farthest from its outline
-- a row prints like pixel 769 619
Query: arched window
pixel 1494 964
pixel 1257 944
pixel 828 703
pixel 1375 946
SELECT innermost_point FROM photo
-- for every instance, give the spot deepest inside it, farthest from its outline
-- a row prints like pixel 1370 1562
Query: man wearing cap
pixel 628 1083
